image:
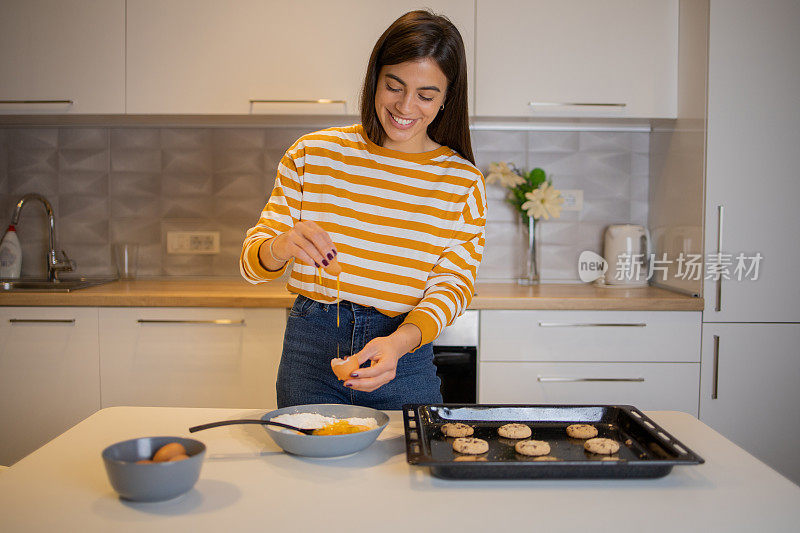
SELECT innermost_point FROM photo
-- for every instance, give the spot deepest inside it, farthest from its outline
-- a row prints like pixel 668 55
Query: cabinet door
pixel 49 375
pixel 752 160
pixel 70 50
pixel 531 53
pixel 190 56
pixel 636 336
pixel 646 385
pixel 190 357
pixel 749 389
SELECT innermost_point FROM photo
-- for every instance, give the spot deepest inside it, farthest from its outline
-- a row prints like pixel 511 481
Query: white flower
pixel 545 201
pixel 502 173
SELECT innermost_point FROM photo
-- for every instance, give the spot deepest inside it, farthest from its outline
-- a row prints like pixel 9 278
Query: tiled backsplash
pixel 133 184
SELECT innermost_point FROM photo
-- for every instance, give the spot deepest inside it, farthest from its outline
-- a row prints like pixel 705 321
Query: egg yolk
pixel 340 427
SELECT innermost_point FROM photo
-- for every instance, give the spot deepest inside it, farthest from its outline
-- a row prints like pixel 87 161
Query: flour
pixel 316 421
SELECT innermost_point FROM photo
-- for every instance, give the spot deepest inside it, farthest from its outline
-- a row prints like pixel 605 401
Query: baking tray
pixel 646 450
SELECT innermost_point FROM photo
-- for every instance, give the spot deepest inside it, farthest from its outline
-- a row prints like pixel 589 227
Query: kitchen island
pixel 249 484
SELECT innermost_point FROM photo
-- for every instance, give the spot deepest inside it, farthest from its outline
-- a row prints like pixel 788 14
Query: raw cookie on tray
pixel 470 445
pixel 457 429
pixel 581 431
pixel 514 431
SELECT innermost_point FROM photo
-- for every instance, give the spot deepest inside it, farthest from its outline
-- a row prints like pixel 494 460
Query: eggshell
pixel 168 451
pixel 333 268
pixel 179 457
pixel 344 367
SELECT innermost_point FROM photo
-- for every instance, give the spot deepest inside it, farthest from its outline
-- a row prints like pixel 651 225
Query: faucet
pixel 57 261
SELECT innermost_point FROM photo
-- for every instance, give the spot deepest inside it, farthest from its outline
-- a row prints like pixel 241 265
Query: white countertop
pixel 248 484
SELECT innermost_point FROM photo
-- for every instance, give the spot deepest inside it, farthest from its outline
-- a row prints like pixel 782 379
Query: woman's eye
pixel 425 98
pixel 393 89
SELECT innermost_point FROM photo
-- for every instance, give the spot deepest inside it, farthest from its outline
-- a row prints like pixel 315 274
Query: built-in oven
pixel 455 353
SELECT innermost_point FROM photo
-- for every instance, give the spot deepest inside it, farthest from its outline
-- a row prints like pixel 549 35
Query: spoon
pixel 248 421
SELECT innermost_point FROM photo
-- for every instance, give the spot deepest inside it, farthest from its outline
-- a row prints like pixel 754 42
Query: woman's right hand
pixel 306 242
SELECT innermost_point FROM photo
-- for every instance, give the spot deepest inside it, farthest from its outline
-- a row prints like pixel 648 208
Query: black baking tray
pixel 646 450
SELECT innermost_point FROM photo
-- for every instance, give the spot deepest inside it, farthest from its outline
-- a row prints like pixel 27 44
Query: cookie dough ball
pixel 457 429
pixel 581 431
pixel 514 431
pixel 532 447
pixel 601 446
pixel 470 445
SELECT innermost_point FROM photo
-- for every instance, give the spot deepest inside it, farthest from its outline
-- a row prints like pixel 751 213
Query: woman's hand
pixel 306 242
pixel 384 352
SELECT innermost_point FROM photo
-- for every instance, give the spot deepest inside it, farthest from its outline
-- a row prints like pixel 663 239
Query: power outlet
pixel 192 242
pixel 573 200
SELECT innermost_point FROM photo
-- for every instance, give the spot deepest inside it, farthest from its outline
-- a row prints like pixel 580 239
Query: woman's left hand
pixel 384 352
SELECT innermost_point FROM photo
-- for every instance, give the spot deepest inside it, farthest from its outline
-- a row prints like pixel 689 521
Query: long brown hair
pixel 414 36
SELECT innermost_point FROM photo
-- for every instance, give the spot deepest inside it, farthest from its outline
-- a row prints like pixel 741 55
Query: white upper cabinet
pixel 621 56
pixel 62 56
pixel 752 160
pixel 211 57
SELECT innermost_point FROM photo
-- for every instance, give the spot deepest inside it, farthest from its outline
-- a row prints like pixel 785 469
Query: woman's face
pixel 407 99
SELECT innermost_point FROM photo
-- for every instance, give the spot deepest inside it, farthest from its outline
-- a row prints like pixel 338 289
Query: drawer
pixel 635 336
pixel 669 386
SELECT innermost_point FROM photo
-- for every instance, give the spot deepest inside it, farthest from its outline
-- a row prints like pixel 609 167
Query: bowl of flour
pixel 315 416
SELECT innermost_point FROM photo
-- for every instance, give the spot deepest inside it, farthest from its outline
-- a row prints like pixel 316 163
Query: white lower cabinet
pixel 750 393
pixel 650 359
pixel 190 357
pixel 671 386
pixel 49 375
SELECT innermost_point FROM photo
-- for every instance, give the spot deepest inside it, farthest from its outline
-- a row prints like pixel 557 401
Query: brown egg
pixel 179 457
pixel 344 367
pixel 168 451
pixel 333 268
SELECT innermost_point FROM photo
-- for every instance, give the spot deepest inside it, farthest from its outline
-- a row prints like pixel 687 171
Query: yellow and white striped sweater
pixel 408 228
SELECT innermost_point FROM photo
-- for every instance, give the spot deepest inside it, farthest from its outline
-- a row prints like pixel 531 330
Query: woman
pixel 397 202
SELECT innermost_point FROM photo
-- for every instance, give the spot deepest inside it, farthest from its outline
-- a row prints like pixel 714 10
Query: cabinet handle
pixel 574 104
pixel 715 383
pixel 42 320
pixel 720 214
pixel 543 379
pixel 218 322
pixel 317 101
pixel 592 325
pixel 69 102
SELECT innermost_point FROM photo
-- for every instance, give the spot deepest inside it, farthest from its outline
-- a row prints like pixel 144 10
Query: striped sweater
pixel 408 228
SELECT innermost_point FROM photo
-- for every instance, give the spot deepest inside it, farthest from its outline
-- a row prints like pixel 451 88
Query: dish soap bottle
pixel 10 254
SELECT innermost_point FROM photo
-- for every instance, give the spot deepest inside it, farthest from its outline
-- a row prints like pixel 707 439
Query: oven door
pixel 455 354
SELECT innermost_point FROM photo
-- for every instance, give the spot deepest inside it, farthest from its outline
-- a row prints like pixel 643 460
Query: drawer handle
pixel 543 379
pixel 720 216
pixel 574 104
pixel 317 101
pixel 70 102
pixel 592 325
pixel 42 320
pixel 218 322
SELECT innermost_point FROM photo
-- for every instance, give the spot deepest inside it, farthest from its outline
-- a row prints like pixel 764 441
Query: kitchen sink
pixel 43 285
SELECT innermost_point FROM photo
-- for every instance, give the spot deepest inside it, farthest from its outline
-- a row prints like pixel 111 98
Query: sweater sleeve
pixel 451 282
pixel 279 215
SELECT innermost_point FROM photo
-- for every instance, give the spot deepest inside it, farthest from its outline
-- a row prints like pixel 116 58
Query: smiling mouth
pixel 401 121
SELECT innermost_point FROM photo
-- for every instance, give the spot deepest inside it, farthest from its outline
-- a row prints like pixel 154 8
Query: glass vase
pixel 530 260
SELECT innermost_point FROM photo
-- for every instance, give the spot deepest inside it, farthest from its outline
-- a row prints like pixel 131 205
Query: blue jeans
pixel 310 342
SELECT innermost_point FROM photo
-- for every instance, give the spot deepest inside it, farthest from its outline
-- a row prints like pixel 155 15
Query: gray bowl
pixel 152 482
pixel 326 445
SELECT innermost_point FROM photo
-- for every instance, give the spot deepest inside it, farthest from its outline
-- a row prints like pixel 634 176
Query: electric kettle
pixel 626 249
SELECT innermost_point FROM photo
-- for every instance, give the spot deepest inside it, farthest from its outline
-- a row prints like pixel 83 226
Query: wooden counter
pixel 239 293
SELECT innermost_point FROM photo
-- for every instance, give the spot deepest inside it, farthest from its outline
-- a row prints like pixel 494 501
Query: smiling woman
pixel 397 204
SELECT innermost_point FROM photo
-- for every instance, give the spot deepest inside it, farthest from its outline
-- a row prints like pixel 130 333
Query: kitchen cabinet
pixel 210 57
pixel 49 375
pixel 619 56
pixel 62 56
pixel 749 389
pixel 752 161
pixel 650 359
pixel 751 327
pixel 190 357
